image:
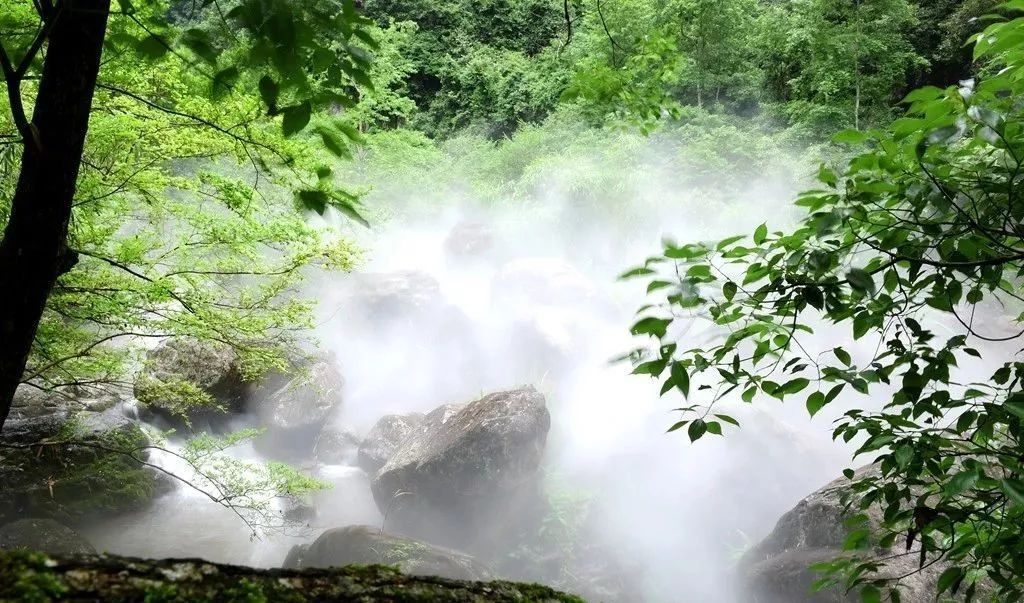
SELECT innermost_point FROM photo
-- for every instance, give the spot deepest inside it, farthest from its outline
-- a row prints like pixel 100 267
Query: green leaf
pixel 651 325
pixel 314 200
pixel 152 47
pixel 676 426
pixel 950 579
pixel 269 92
pixel 870 594
pixel 696 430
pixel 760 234
pixel 333 142
pixel 815 402
pixel 843 356
pixel 224 80
pixel 850 137
pixel 634 272
pixel 728 419
pixel 861 280
pixel 1014 490
pixel 295 118
pixel 729 290
pixel 965 480
pixel 681 378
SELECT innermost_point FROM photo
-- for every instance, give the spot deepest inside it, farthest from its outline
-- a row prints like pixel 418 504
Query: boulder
pixel 385 438
pixel 186 382
pixel 467 470
pixel 75 467
pixel 337 446
pixel 468 239
pixel 295 412
pixel 44 535
pixel 777 570
pixel 30 402
pixel 32 576
pixel 365 545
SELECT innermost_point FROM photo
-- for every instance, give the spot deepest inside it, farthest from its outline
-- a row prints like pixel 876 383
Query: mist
pixel 479 278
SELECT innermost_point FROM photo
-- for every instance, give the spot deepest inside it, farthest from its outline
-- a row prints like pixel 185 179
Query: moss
pixel 28 576
pixel 402 551
pixel 25 577
pixel 70 477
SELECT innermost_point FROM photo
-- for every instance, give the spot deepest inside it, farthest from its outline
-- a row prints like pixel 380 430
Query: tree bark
pixel 34 249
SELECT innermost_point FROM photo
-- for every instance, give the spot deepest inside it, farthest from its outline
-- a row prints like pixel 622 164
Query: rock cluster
pixel 465 470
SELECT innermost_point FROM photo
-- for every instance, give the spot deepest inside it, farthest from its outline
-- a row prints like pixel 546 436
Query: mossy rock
pixel 366 545
pixel 74 468
pixel 31 576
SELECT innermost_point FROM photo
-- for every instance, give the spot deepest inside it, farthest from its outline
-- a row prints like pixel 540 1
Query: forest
pixel 512 300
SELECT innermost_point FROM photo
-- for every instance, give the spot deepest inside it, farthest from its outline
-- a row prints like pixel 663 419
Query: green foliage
pixel 490 64
pixel 919 234
pixel 838 63
pixel 180 228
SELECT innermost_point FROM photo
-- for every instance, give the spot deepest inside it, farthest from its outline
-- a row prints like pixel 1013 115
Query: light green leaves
pixel 760 234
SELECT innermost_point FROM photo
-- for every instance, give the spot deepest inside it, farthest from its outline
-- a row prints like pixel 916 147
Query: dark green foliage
pixel 909 245
pixel 490 63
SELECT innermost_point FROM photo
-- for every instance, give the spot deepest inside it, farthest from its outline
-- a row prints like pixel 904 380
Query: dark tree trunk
pixel 34 249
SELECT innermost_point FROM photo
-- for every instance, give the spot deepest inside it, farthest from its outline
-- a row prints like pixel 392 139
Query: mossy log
pixel 31 576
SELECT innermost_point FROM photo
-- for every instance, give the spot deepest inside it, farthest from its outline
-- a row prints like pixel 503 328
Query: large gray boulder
pixel 337 446
pixel 187 382
pixel 467 470
pixel 75 466
pixel 44 535
pixel 294 411
pixel 469 239
pixel 386 436
pixel 365 545
pixel 777 570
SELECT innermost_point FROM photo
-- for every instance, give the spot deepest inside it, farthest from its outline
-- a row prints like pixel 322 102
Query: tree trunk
pixel 34 249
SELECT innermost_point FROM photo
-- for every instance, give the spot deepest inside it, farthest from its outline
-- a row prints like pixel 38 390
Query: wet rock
pixel 467 470
pixel 39 577
pixel 44 535
pixel 186 382
pixel 385 438
pixel 337 446
pixel 30 402
pixel 75 466
pixel 295 413
pixel 777 570
pixel 366 545
pixel 469 239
